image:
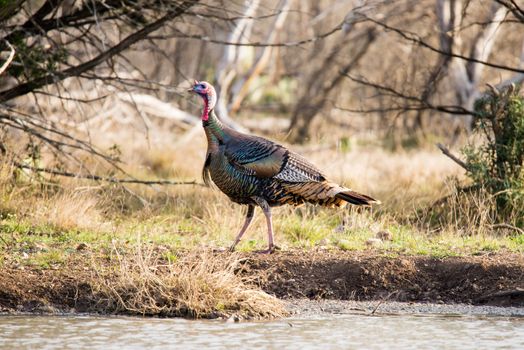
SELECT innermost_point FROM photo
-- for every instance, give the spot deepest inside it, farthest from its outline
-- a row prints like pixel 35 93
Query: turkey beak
pixel 192 89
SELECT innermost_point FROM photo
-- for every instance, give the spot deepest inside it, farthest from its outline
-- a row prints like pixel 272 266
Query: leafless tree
pixel 58 40
pixel 456 63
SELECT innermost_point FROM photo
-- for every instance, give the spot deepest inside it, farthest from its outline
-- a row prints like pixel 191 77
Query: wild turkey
pixel 257 172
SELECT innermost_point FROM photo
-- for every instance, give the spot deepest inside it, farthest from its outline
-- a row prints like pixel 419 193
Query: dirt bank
pixel 495 279
pixel 492 279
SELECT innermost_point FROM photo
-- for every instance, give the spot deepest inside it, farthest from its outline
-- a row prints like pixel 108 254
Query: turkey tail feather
pixel 324 193
pixel 356 198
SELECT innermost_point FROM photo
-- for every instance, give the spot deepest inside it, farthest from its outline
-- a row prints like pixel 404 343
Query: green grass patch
pixel 305 228
pixel 48 259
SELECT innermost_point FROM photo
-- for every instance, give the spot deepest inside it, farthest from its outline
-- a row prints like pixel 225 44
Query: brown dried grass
pixel 64 206
pixel 69 210
pixel 197 285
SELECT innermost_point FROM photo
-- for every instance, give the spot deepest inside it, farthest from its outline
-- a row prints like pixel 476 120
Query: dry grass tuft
pixel 465 211
pixel 69 210
pixel 198 285
pixel 62 207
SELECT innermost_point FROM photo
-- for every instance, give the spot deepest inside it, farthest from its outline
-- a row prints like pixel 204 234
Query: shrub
pixel 497 164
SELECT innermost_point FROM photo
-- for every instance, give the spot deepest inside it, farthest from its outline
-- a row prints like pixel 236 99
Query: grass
pixel 191 217
pixel 304 228
pixel 197 285
pixel 143 230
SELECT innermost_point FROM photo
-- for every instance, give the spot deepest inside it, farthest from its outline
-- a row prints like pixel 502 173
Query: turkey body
pixel 244 166
pixel 255 171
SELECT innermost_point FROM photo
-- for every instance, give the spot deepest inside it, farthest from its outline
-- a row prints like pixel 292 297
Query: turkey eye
pixel 201 86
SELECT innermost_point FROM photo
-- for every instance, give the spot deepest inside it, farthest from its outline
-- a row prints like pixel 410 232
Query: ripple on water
pixel 333 332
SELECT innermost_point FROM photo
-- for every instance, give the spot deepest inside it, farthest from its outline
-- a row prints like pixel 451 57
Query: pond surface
pixel 348 331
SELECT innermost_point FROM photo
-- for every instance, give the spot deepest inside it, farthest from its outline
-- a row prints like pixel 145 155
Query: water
pixel 353 331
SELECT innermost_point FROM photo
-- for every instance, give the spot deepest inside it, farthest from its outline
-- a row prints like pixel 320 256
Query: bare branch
pixel 9 59
pixel 508 227
pixel 24 88
pixel 452 156
pixel 105 179
pixel 179 34
pixel 422 103
pixel 511 5
pixel 156 107
pixel 414 38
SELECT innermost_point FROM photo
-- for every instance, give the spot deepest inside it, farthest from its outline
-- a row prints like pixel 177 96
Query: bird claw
pixel 269 250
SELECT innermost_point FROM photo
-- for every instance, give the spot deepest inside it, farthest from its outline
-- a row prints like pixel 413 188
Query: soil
pixel 492 279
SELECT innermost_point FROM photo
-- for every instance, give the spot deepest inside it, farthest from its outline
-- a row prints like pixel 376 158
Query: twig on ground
pixel 517 292
pixel 377 306
pixel 381 302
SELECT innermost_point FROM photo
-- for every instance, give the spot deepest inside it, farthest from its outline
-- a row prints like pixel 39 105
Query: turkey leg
pixel 267 212
pixel 247 222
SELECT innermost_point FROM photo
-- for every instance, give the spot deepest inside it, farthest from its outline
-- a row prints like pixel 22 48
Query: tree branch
pixel 511 5
pixel 179 34
pixel 424 104
pixel 105 179
pixel 29 86
pixel 414 38
pixel 452 156
pixel 9 59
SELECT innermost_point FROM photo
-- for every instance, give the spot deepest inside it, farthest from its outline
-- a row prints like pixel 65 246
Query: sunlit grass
pixel 47 258
pixel 44 246
pixel 196 285
pixel 72 212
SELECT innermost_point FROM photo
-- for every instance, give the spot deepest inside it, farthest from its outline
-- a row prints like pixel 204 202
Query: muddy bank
pixel 492 279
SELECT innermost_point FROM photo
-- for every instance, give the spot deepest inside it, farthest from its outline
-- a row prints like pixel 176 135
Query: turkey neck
pixel 215 131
